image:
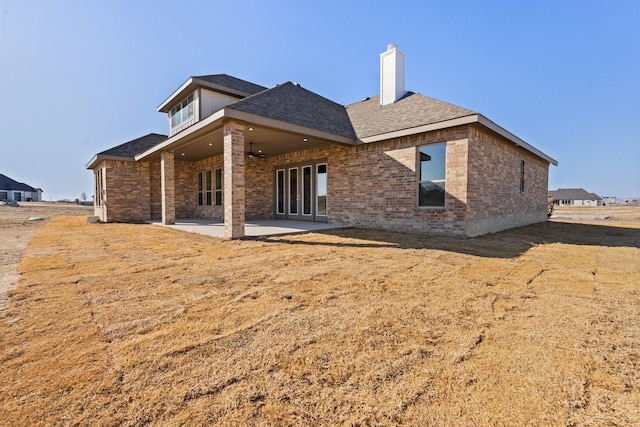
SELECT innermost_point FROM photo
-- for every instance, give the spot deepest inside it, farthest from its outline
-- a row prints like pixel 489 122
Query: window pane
pixel 321 190
pixel 208 198
pixel 431 193
pixel 280 192
pixel 218 197
pixel 218 179
pixel 199 181
pixel 200 199
pixel 433 162
pixel 208 180
pixel 306 190
pixel 293 191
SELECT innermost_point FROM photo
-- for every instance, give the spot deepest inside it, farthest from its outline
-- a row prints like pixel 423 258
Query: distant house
pixel 575 197
pixel 10 189
pixel 238 151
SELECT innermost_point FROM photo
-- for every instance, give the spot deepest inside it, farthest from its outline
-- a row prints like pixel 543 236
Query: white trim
pixel 326 200
pixel 95 160
pixel 228 113
pixel 302 168
pixel 174 95
pixel 420 129
pixel 475 118
pixel 297 212
pixel 517 141
pixel 284 191
pixel 191 84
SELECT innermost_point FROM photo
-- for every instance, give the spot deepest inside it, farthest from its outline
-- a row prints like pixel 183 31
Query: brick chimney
pixel 391 75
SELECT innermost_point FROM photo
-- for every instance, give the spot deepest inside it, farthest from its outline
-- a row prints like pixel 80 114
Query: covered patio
pixel 236 140
pixel 252 229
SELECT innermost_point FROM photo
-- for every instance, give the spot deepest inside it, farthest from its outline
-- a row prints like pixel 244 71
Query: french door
pixel 301 192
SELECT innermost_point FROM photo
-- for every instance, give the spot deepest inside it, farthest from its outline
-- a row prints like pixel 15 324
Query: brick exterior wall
pixel 127 195
pixel 495 201
pixel 376 185
pixel 371 185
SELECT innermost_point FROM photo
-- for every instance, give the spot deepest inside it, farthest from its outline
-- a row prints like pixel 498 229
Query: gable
pixel 221 83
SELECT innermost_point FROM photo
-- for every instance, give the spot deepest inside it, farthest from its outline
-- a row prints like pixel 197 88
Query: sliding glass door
pixel 301 192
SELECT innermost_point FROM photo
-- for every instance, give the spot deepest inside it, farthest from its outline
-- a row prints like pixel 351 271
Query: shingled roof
pixel 8 184
pixel 294 104
pixel 231 82
pixel 369 118
pixel 135 146
pixel 573 194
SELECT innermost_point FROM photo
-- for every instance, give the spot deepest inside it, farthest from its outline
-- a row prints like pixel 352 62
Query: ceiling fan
pixel 259 154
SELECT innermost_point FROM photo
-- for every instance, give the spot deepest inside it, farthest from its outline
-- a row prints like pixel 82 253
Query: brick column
pixel 168 185
pixel 234 204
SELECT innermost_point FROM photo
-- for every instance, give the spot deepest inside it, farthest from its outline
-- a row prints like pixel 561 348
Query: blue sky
pixel 78 77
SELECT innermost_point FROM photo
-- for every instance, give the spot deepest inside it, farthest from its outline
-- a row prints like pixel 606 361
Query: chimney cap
pixel 392 46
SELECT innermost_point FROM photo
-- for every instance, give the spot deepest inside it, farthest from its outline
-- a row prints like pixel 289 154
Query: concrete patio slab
pixel 259 228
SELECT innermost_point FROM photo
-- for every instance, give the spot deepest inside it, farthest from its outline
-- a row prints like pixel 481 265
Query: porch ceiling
pixel 268 141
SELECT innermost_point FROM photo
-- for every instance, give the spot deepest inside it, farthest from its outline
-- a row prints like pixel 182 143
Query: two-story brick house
pixel 238 151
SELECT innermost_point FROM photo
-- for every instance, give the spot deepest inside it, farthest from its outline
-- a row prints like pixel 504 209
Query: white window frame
pixel 284 190
pixel 326 197
pixel 435 181
pixel 177 117
pixel 217 188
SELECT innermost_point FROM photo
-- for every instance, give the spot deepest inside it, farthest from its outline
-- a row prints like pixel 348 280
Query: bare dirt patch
pixel 16 230
pixel 117 324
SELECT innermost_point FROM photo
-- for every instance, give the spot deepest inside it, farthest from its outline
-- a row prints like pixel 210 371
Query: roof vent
pixel 391 75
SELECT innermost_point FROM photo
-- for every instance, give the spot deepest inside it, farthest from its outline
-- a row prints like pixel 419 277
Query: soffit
pixel 268 141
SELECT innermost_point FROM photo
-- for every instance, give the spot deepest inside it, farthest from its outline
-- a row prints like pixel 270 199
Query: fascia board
pixel 424 128
pixel 221 89
pixel 475 118
pixel 162 107
pixel 95 160
pixel 193 83
pixel 517 141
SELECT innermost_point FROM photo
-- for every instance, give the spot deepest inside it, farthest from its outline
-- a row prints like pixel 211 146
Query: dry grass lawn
pixel 118 324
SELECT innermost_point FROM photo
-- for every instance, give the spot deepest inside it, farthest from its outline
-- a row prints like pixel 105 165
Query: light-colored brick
pixel 371 185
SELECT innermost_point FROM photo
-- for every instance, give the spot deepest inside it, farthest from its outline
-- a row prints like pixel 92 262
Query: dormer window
pixel 182 112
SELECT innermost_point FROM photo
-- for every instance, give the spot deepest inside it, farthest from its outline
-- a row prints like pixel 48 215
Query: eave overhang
pixel 98 158
pixel 191 85
pixel 467 120
pixel 215 121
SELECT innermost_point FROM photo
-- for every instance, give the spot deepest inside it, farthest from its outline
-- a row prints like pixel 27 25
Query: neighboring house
pixel 575 197
pixel 11 189
pixel 238 151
